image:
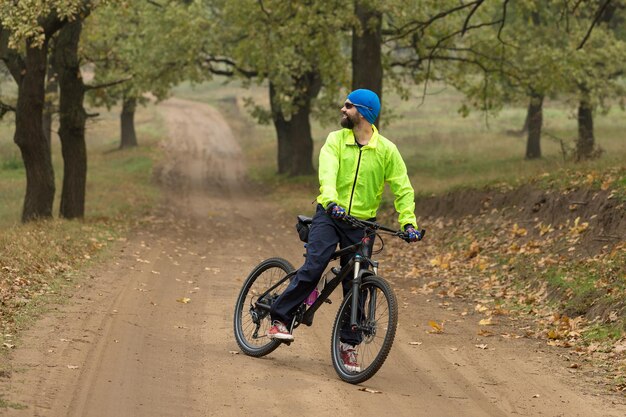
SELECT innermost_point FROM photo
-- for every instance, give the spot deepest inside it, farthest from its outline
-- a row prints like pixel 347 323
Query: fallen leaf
pixel 437 328
pixel 233 352
pixel 518 231
pixel 184 300
pixel 72 366
pixel 8 345
pixel 371 391
pixel 415 343
pixel 482 346
pixel 486 322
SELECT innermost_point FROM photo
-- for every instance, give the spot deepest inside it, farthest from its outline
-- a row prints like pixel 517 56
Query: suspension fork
pixel 371 311
pixel 356 283
pixel 357 280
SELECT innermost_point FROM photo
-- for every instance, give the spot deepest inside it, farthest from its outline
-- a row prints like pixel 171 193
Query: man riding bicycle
pixel 354 165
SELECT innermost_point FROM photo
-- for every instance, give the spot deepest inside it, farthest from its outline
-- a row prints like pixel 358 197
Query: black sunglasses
pixel 348 106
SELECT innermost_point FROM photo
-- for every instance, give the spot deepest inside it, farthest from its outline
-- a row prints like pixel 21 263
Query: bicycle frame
pixel 355 264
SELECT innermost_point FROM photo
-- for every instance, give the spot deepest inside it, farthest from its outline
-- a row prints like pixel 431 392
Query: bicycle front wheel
pixel 251 323
pixel 358 353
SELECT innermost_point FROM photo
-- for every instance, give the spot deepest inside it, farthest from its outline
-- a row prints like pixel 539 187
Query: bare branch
pixel 469 16
pixel 578 3
pixel 453 34
pixel 425 83
pixel 413 26
pixel 506 2
pixel 234 68
pixel 5 108
pixel 263 9
pixel 109 84
pixel 595 21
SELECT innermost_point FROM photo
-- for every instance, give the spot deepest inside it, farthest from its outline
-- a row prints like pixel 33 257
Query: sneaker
pixel 279 331
pixel 349 357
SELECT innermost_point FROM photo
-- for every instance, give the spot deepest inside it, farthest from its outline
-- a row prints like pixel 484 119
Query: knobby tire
pixel 262 277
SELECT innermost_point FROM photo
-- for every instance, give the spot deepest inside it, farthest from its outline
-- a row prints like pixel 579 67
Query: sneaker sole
pixel 279 336
pixel 352 368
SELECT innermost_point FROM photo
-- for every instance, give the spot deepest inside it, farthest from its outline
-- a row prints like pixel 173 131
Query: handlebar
pixel 365 224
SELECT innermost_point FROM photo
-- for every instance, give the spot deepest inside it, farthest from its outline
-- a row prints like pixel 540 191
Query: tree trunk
pixel 127 121
pixel 535 121
pixel 295 142
pixel 72 118
pixel 29 136
pixel 367 66
pixel 586 140
pixel 52 86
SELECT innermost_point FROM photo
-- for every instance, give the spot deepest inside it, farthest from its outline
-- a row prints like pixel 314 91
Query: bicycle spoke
pixel 250 322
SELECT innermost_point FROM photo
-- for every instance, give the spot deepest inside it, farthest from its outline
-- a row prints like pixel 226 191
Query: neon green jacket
pixel 355 177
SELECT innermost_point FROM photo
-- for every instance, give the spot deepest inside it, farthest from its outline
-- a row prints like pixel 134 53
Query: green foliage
pixel 24 19
pixel 145 47
pixel 537 51
pixel 282 42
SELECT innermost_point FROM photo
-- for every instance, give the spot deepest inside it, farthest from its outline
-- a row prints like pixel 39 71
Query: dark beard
pixel 347 122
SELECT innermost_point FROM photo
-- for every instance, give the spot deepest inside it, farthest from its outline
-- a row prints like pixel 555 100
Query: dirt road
pixel 150 332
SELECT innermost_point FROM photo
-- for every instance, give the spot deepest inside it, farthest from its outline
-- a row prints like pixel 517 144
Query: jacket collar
pixel 351 140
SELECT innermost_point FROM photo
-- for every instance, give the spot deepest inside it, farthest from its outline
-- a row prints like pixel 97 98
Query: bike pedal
pixel 286 342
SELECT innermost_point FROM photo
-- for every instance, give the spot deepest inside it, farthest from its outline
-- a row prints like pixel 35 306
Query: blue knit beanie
pixel 366 102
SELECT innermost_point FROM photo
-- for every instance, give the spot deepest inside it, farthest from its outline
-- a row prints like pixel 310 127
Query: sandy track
pixel 124 345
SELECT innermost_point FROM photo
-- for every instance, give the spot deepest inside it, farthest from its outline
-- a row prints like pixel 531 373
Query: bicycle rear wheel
pixel 376 330
pixel 250 322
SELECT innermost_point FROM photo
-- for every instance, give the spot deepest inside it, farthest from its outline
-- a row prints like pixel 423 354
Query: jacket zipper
pixel 358 164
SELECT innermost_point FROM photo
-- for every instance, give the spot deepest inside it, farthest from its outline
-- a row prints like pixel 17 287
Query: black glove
pixel 336 211
pixel 412 235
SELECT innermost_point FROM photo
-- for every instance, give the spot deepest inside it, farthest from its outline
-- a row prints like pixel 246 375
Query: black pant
pixel 324 236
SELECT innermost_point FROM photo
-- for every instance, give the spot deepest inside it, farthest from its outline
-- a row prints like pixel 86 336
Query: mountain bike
pixel 370 308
